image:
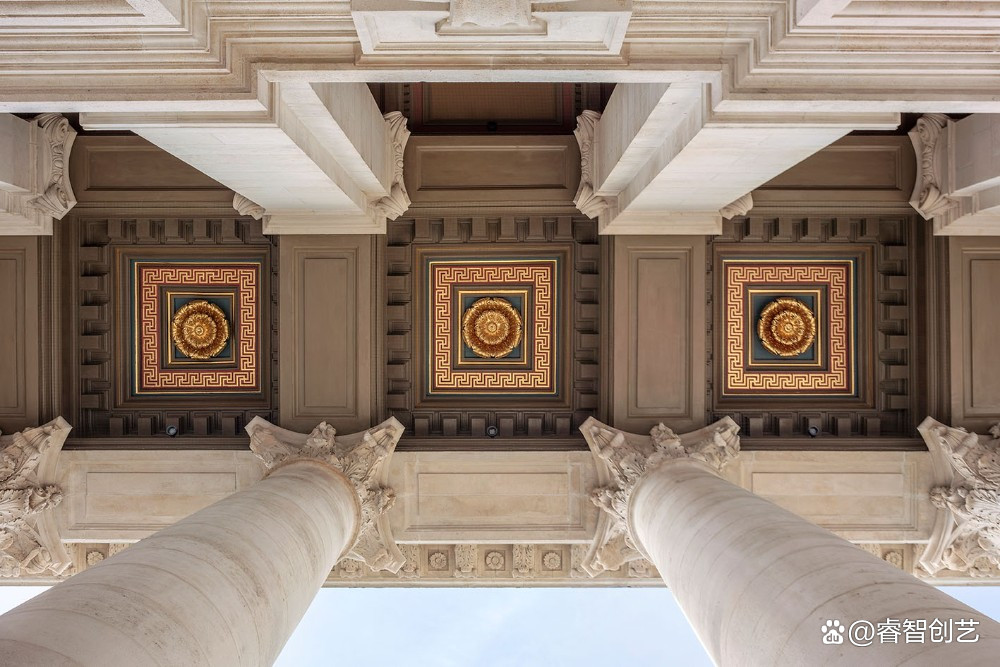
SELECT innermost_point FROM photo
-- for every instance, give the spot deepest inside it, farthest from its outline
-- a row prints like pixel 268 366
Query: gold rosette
pixel 786 327
pixel 491 327
pixel 200 330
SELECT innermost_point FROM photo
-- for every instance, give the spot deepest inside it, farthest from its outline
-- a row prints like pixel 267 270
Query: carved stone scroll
pixel 966 535
pixel 927 136
pixel 246 206
pixel 739 207
pixel 623 459
pixel 587 199
pixel 362 458
pixel 29 543
pixel 397 201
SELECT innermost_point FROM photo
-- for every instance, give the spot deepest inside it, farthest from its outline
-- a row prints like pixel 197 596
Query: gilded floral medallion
pixel 491 327
pixel 200 330
pixel 787 327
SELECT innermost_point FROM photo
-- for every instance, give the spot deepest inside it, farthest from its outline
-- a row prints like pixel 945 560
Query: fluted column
pixel 228 584
pixel 757 582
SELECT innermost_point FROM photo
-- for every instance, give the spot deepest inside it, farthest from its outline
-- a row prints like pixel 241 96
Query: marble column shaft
pixel 224 586
pixel 757 582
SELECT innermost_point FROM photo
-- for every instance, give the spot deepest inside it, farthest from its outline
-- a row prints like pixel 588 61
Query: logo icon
pixel 833 632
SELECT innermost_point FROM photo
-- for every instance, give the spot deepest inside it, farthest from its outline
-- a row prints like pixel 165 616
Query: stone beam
pixel 323 160
pixel 660 161
pixel 958 173
pixel 34 174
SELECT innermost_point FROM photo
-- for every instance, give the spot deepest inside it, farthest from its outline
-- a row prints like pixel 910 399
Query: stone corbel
pixel 929 196
pixel 966 491
pixel 397 201
pixel 37 167
pixel 362 458
pixel 29 538
pixel 587 200
pixel 739 207
pixel 245 206
pixel 622 461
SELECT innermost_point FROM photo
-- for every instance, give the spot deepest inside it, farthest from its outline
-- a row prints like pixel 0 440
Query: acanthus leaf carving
pixel 930 197
pixel 587 200
pixel 29 544
pixel 523 565
pixel 362 458
pixel 397 201
pixel 465 560
pixel 56 196
pixel 967 535
pixel 624 458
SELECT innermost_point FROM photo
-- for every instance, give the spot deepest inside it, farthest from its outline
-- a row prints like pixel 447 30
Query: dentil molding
pixel 623 459
pixel 362 458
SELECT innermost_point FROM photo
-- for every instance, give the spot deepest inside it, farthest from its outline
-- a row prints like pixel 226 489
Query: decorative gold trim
pixel 200 330
pixel 786 327
pixel 491 327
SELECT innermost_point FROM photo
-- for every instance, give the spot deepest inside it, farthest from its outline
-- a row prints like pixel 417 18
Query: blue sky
pixel 500 627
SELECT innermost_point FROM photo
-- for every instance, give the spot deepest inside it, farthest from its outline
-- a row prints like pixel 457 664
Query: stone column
pixel 228 584
pixel 758 583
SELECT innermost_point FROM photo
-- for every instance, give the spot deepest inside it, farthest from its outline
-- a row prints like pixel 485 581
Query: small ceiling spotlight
pixel 492 126
pixel 813 431
pixel 172 431
pixel 492 431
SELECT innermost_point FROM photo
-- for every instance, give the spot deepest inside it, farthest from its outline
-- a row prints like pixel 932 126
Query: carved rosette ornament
pixel 966 535
pixel 397 201
pixel 587 199
pixel 199 330
pixel 57 137
pixel 787 327
pixel 362 458
pixel 928 138
pixel 491 328
pixel 29 541
pixel 623 459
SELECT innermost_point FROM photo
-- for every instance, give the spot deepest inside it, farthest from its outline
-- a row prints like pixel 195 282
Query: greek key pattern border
pixel 444 276
pixel 839 277
pixel 150 376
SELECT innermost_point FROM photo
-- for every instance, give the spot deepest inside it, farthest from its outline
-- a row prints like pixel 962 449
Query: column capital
pixel 966 491
pixel 623 459
pixel 362 459
pixel 397 201
pixel 29 542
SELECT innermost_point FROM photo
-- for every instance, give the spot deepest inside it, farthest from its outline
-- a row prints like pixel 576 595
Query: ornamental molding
pixel 623 459
pixel 362 458
pixel 29 539
pixel 246 206
pixel 397 201
pixel 56 196
pixel 737 208
pixel 587 200
pixel 930 142
pixel 966 493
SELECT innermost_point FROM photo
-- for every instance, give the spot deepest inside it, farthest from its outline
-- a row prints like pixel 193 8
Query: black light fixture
pixel 813 431
pixel 171 431
pixel 492 431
